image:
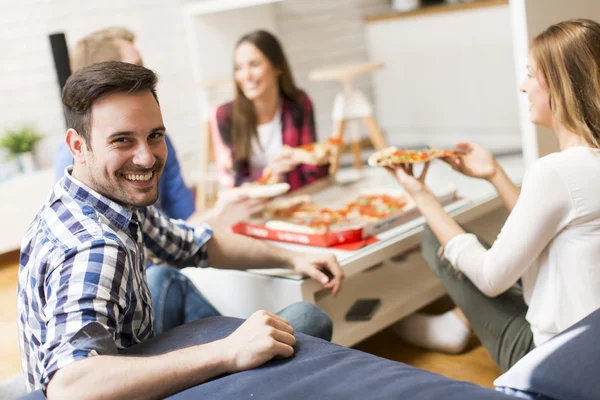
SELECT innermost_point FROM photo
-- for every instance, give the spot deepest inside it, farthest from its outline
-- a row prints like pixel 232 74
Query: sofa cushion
pixel 566 367
pixel 318 370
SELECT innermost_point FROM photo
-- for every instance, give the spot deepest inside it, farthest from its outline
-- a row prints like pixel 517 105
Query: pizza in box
pixel 300 214
pixel 299 219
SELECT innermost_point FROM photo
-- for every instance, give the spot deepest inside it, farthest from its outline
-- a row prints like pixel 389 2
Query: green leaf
pixel 20 140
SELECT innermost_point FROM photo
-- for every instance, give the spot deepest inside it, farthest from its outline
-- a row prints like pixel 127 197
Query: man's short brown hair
pixel 99 46
pixel 92 83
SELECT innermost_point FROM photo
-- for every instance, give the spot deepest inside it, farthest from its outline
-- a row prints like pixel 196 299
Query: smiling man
pixel 83 294
pixel 113 162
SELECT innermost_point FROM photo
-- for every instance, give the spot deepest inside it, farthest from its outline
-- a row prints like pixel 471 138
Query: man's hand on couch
pixel 259 339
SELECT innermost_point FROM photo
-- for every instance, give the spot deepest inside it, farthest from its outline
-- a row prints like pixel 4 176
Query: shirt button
pixel 88 211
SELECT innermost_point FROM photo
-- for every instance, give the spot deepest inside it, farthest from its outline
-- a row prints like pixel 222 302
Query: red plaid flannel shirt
pixel 298 129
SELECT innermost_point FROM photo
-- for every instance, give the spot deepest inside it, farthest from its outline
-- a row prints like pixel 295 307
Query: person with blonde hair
pixel 109 44
pixel 541 275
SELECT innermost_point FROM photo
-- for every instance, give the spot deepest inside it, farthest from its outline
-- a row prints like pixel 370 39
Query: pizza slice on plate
pixel 263 188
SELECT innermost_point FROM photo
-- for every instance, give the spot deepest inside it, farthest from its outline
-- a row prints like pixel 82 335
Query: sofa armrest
pixel 565 367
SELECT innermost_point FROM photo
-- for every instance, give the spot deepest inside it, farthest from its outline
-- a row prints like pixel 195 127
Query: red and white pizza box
pixel 354 233
pixel 326 239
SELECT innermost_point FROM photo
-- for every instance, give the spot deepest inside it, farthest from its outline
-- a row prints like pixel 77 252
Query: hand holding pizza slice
pixel 393 157
pixel 400 164
pixel 316 153
pixel 474 161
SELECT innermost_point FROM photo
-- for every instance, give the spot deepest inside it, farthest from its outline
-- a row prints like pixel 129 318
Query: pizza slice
pixel 263 188
pixel 391 156
pixel 300 214
pixel 266 178
pixel 314 224
pixel 373 207
pixel 316 153
pixel 285 208
pixel 437 153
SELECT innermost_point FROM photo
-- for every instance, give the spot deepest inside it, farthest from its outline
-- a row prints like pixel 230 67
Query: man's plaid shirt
pixel 82 281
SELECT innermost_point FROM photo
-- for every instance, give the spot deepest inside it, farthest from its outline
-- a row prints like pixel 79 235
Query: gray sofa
pixel 565 368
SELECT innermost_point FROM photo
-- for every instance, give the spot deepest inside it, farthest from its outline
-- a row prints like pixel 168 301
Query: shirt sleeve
pixel 62 160
pixel 85 297
pixel 543 209
pixel 173 242
pixel 176 199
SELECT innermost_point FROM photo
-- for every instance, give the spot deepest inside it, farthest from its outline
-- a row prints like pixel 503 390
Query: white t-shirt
pixel 271 143
pixel 551 240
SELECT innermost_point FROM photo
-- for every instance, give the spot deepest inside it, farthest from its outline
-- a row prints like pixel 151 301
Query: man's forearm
pixel 507 190
pixel 230 250
pixel 205 216
pixel 138 377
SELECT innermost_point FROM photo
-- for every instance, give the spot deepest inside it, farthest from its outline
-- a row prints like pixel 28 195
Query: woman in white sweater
pixel 542 273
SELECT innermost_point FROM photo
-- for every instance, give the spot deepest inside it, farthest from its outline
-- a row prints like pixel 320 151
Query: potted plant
pixel 20 143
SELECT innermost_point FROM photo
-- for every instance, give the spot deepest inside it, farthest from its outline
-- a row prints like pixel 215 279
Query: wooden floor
pixel 474 366
pixel 10 363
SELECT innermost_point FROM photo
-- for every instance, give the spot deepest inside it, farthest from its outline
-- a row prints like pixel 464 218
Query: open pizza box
pixel 326 193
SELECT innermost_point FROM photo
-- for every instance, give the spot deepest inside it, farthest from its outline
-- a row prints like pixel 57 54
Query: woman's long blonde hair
pixel 568 57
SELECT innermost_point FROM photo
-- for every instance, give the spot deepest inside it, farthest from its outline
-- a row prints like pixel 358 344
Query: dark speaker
pixel 61 58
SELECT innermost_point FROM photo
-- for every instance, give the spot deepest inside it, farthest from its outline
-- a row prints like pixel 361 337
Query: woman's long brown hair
pixel 568 57
pixel 243 118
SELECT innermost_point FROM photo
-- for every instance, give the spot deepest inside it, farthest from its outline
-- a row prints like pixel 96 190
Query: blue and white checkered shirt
pixel 82 281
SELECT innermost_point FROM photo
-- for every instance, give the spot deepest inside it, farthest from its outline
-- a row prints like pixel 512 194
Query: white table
pixel 387 269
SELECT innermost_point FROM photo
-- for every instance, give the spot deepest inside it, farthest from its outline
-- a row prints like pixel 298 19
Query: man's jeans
pixel 176 300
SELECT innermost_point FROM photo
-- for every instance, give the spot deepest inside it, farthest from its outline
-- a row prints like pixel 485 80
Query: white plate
pixel 263 191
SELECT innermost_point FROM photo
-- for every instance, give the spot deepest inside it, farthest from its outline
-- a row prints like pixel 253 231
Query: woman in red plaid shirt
pixel 268 112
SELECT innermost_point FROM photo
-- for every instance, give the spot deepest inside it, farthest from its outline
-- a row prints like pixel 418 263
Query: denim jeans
pixel 176 300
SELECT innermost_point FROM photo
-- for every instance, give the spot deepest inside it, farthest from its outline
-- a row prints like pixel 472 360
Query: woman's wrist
pixel 423 193
pixel 496 175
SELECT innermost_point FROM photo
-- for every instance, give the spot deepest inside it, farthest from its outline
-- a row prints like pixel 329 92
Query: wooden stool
pixel 349 106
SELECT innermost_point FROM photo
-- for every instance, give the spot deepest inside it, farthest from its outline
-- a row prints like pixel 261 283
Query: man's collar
pixel 113 211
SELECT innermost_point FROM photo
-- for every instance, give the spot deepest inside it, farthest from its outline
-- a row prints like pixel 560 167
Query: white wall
pixel 28 86
pixel 319 33
pixel 217 33
pixel 447 77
